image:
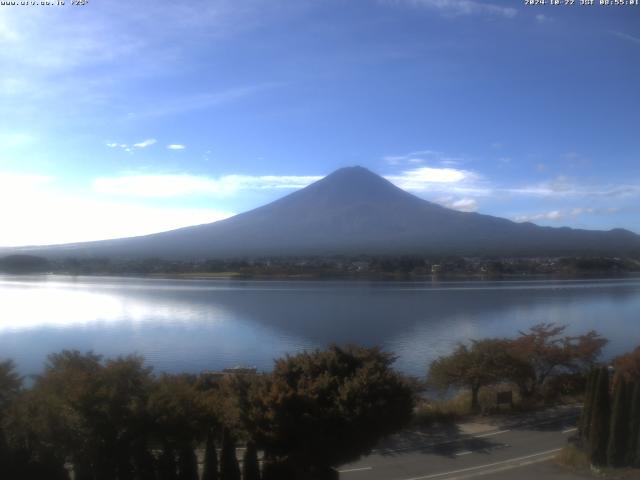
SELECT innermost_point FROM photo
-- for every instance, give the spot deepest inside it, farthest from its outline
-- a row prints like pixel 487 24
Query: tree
pixel 545 351
pixel 167 468
pixel 229 469
pixel 210 459
pixel 585 417
pixel 250 465
pixel 599 429
pixel 618 433
pixel 178 417
pixel 634 422
pixel 323 408
pixel 10 388
pixel 187 464
pixel 628 365
pixel 483 363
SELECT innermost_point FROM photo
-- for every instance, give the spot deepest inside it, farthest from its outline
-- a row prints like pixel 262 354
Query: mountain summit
pixel 353 211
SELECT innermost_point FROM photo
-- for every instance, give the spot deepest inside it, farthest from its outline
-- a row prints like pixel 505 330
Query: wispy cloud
pixel 422 156
pixel 463 7
pixel 563 214
pixel 562 186
pixel 176 146
pixel 145 143
pixel 167 185
pixel 627 37
pixel 202 101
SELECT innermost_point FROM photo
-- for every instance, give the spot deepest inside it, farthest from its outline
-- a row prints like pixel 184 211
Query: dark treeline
pixel 327 266
pixel 115 419
pixel 609 429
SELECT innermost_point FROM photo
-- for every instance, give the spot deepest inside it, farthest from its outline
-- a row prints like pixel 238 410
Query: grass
pixel 574 458
pixel 453 409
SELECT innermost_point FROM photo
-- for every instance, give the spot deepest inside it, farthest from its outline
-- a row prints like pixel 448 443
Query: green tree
pixel 167 466
pixel 634 422
pixel 250 465
pixel 187 464
pixel 229 469
pixel 599 428
pixel 585 417
pixel 323 408
pixel 483 363
pixel 618 433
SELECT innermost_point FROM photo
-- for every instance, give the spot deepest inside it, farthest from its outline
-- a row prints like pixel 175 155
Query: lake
pixel 193 325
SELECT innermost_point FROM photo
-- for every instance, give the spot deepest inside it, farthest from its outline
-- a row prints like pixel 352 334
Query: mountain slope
pixel 355 211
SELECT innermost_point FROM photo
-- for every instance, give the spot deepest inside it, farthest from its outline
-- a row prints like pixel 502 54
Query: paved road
pixel 495 454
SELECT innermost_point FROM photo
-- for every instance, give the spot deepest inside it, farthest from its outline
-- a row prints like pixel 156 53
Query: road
pixel 528 447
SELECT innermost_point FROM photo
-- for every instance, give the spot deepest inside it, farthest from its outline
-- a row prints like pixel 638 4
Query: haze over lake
pixel 192 325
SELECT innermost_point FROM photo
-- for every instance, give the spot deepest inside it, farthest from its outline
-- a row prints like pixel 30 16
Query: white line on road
pixel 569 430
pixel 502 468
pixel 467 452
pixel 361 469
pixel 490 434
pixel 469 469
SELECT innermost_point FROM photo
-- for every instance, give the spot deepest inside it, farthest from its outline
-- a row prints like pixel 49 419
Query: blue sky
pixel 123 118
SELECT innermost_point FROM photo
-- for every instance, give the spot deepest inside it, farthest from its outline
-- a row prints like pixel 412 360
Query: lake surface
pixel 192 325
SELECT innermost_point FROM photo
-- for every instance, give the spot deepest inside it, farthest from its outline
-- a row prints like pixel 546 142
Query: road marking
pixel 569 430
pixel 494 464
pixel 459 454
pixel 361 469
pixel 490 434
pixel 503 468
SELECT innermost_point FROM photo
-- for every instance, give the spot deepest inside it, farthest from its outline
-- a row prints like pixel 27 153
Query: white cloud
pixel 461 204
pixel 167 185
pixel 463 7
pixel 58 217
pixel 145 143
pixel 552 215
pixel 176 146
pixel 450 181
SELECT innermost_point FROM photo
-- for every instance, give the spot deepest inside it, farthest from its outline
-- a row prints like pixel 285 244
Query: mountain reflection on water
pixel 191 325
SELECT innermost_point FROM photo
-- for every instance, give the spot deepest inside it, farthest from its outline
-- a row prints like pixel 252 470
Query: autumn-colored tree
pixel 628 365
pixel 546 351
pixel 323 408
pixel 178 416
pixel 482 363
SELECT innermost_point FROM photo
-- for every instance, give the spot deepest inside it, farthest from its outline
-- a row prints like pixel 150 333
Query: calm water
pixel 191 325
